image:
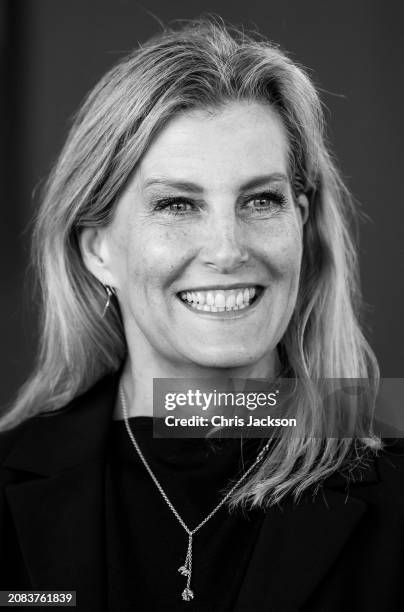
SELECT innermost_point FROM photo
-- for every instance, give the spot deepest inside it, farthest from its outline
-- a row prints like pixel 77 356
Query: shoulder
pixel 66 435
pixel 376 478
pixel 390 466
pixel 9 438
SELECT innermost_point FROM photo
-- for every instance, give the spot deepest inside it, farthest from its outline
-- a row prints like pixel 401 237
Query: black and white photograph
pixel 202 296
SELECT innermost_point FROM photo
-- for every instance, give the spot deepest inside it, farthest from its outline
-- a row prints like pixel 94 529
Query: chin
pixel 225 359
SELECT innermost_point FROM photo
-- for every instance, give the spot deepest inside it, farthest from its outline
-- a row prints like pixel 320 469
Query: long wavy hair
pixel 202 64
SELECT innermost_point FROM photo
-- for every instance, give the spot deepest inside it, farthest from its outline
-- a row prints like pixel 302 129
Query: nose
pixel 225 246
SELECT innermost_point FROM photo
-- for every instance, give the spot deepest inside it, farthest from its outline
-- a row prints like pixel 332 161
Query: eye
pixel 266 201
pixel 178 207
pixel 174 206
pixel 260 202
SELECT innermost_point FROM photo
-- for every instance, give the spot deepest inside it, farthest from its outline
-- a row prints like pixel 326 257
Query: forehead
pixel 220 147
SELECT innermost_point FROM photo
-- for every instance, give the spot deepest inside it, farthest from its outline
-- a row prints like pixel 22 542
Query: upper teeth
pixel 220 299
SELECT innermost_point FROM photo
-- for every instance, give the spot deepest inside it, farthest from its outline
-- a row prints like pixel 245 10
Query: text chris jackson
pixel 221 421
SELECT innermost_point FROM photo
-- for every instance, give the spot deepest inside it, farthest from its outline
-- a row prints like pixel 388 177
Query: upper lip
pixel 223 287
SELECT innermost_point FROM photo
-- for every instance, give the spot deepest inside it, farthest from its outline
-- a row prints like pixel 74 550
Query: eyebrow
pixel 253 183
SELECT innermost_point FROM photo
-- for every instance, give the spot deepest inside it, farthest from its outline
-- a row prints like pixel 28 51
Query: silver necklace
pixel 186 568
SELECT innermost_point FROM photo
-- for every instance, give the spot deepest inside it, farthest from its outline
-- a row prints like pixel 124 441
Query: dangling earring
pixel 110 292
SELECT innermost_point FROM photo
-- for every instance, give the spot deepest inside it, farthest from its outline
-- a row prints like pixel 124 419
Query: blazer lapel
pixel 58 509
pixel 296 547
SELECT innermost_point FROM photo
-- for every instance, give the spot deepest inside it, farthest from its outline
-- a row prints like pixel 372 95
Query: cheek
pixel 283 252
pixel 155 257
pixel 290 259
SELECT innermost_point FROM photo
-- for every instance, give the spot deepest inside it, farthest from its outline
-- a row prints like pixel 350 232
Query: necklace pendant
pixel 187 594
pixel 185 569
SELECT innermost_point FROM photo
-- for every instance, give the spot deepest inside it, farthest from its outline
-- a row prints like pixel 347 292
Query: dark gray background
pixel 53 52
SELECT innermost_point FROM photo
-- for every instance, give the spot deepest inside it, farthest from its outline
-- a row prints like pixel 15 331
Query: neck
pixel 138 374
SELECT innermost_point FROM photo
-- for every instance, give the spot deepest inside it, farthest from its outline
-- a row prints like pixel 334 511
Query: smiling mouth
pixel 221 300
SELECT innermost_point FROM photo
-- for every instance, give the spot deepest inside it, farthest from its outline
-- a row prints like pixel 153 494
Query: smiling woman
pixel 195 227
pixel 208 215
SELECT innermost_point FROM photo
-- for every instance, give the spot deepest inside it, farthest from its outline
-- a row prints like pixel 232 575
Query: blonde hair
pixel 204 64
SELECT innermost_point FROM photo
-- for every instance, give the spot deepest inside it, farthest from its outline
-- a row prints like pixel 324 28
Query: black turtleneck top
pixel 145 542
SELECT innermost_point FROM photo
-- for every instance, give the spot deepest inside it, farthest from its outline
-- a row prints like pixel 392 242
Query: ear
pixel 95 253
pixel 303 205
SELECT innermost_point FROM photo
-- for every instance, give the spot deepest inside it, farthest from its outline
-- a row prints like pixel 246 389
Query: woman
pixel 196 226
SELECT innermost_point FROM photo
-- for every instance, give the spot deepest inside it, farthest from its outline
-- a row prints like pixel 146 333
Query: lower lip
pixel 225 314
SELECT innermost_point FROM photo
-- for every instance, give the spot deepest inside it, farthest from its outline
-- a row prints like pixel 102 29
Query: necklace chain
pixel 186 568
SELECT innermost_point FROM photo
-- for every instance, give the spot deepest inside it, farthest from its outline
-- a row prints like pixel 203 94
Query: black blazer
pixel 340 549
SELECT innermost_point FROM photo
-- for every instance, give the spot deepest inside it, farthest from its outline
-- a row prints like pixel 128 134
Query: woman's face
pixel 205 247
